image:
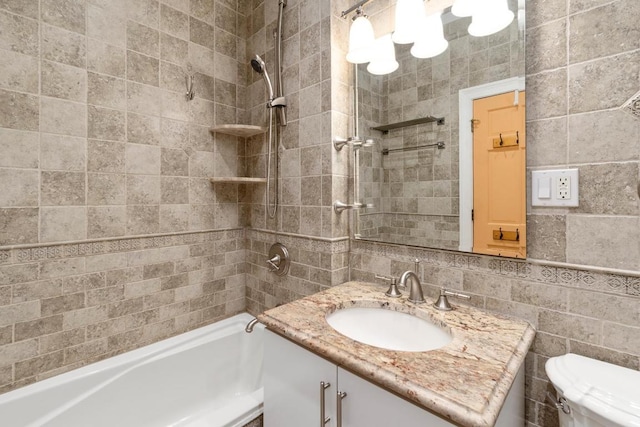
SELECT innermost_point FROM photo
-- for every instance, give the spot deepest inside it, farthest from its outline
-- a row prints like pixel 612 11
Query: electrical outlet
pixel 563 187
pixel 557 187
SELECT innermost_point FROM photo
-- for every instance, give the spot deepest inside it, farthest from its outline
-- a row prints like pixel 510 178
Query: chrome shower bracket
pixel 339 206
pixel 355 141
pixel 190 92
pixel 279 259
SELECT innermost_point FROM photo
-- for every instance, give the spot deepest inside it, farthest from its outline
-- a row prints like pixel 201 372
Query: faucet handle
pixel 393 291
pixel 443 302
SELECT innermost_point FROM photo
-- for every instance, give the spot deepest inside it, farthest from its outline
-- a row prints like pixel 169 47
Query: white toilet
pixel 593 393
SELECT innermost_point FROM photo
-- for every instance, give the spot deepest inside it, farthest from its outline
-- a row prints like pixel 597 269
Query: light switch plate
pixel 563 189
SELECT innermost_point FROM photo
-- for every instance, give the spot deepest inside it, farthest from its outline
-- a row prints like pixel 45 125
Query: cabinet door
pixel 367 405
pixel 292 377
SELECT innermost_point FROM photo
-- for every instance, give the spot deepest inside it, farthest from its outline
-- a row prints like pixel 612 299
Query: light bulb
pixel 409 15
pixel 430 41
pixel 494 16
pixel 463 8
pixel 361 40
pixel 383 60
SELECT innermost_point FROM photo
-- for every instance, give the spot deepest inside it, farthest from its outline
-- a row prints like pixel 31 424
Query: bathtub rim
pixel 235 323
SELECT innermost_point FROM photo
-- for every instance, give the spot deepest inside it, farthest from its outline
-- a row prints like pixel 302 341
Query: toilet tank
pixel 599 394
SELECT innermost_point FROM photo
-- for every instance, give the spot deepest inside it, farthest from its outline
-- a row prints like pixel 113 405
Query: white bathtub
pixel 209 377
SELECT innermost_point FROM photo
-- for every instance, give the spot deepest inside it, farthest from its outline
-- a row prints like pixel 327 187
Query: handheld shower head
pixel 261 68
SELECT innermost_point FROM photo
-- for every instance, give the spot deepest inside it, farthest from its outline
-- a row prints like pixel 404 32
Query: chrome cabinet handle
pixel 341 395
pixel 323 419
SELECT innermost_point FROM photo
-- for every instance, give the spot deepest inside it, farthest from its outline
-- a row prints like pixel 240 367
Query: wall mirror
pixel 426 181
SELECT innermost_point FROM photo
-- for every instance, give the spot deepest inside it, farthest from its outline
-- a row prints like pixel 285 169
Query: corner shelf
pixel 244 131
pixel 429 119
pixel 237 180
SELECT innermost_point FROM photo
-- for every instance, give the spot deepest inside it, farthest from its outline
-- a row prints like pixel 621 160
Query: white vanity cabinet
pixel 293 393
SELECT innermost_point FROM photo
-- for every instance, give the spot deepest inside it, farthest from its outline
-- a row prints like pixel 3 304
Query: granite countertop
pixel 465 381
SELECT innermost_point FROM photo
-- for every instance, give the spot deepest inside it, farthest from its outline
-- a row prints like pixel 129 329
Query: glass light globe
pixel 408 18
pixel 430 41
pixel 361 41
pixel 463 8
pixel 383 60
pixel 494 16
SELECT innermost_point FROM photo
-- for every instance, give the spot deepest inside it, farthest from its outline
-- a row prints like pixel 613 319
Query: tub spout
pixel 249 328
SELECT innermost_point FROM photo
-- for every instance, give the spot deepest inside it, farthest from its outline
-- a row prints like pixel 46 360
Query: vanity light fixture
pixel 430 40
pixel 361 38
pixel 492 17
pixel 463 8
pixel 423 28
pixel 409 14
pixel 383 60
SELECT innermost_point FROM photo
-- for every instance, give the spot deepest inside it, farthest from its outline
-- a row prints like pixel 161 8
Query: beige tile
pixel 143 129
pixel 19 72
pixel 145 12
pixel 174 190
pixel 62 188
pixel 107 25
pixel 546 237
pixel 106 91
pixel 37 328
pixel 18 226
pixel 59 224
pixel 603 241
pixel 547 47
pixel 63 46
pixel 18 111
pixel 63 117
pixel 143 39
pixel 174 218
pixel 172 77
pixel 106 59
pixel 605 354
pixel 19 149
pixel 201 33
pixel 609 189
pixel 38 365
pixel 584 329
pixel 142 159
pixel 619 309
pixel 595 137
pixel 19 187
pixel 106 189
pixel 203 10
pixel 173 49
pixel 174 106
pixel 105 156
pixel 106 221
pixel 143 219
pixel 68 14
pixel 174 22
pixel 589 39
pixel 20 34
pixel 621 337
pixel 143 190
pixel 143 99
pixel 63 153
pixel 142 69
pixel 603 83
pixel 106 124
pixel 28 8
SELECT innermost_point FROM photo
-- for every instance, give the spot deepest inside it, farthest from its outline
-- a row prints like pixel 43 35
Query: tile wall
pixel 107 215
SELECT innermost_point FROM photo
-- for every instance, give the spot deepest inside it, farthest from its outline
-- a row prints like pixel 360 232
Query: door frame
pixel 465 102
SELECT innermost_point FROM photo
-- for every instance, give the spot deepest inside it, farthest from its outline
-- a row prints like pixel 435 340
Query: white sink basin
pixel 388 329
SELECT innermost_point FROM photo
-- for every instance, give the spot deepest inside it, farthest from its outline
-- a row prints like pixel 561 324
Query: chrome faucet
pixel 415 291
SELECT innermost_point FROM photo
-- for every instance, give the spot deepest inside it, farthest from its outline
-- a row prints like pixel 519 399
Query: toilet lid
pixel 610 391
